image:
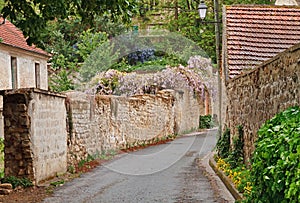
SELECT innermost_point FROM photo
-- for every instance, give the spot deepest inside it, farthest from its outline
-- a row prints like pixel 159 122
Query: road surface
pixel 163 173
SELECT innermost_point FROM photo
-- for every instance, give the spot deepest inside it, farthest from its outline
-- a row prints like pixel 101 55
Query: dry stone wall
pixel 260 94
pixel 35 134
pixel 102 122
pixel 18 147
pixel 44 131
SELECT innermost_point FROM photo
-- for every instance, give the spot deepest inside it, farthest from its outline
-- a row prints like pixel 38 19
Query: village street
pixel 169 172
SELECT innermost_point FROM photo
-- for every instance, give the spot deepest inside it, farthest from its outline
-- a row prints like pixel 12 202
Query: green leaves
pixel 23 182
pixel 276 161
pixel 206 122
pixel 223 144
pixel 31 16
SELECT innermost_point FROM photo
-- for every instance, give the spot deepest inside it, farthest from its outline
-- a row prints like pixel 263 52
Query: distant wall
pixel 35 134
pixel 109 122
pixel 260 94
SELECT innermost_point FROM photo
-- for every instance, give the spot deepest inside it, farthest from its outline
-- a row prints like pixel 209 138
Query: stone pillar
pixel 35 134
pixel 18 150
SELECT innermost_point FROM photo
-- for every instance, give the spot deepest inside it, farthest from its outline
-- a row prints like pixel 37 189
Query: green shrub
pixel 276 162
pixel 1 145
pixel 57 183
pixel 206 122
pixel 223 144
pixel 15 182
pixel 236 154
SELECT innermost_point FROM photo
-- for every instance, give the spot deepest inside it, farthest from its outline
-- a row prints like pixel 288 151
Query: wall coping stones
pixel 36 90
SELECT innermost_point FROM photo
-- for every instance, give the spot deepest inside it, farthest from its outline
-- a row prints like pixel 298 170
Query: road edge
pixel 227 182
pixel 217 184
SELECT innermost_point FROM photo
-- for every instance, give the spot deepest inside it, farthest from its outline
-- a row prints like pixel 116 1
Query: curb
pixel 227 182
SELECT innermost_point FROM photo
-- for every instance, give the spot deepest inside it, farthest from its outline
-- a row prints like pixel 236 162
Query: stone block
pixel 5 191
pixel 21 108
pixel 18 156
pixel 6 186
pixel 275 90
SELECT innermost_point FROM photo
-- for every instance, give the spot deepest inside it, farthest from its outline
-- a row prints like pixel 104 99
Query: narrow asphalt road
pixel 163 173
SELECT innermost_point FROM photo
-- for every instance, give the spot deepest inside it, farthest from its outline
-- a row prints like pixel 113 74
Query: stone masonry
pixel 35 134
pixel 45 132
pixel 99 123
pixel 260 94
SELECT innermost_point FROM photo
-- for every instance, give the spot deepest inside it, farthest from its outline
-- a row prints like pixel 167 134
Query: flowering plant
pixel 196 76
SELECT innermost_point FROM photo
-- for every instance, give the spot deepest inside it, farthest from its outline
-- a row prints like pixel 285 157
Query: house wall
pixel 110 122
pixel 5 76
pixel 35 134
pixel 260 94
pixel 25 67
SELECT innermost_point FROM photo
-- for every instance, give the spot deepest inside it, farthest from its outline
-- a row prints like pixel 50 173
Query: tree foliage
pixel 185 19
pixel 31 16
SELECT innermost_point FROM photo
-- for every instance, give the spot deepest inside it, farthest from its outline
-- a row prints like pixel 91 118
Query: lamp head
pixel 202 8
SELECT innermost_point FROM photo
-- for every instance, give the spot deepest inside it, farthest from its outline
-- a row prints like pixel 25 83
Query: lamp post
pixel 202 8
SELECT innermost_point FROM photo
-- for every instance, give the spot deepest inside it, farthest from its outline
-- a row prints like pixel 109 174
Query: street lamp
pixel 202 8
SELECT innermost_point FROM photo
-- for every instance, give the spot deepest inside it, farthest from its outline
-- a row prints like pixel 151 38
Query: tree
pixel 184 19
pixel 31 16
pixel 1 4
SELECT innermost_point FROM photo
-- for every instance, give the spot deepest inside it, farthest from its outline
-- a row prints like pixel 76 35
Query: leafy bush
pixel 276 161
pixel 1 145
pixel 223 144
pixel 101 59
pixel 206 121
pixel 140 56
pixel 148 61
pixel 15 182
pixel 236 155
pixel 57 183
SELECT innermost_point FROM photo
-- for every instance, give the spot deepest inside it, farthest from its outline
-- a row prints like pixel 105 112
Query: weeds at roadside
pixel 1 158
pixel 15 182
pixel 57 183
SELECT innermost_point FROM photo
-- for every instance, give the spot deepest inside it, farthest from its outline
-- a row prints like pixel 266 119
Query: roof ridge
pixel 13 36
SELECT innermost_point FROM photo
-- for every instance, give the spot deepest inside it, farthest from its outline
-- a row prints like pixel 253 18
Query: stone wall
pixel 35 134
pixel 44 132
pixel 108 122
pixel 260 94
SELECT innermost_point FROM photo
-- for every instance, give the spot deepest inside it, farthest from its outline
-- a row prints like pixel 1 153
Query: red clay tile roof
pixel 257 33
pixel 12 36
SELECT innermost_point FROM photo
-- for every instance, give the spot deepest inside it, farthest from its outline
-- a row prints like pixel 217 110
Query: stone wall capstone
pixel 257 96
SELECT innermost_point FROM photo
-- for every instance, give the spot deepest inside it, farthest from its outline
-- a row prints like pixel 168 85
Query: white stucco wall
pixel 48 135
pixel 25 68
pixel 5 73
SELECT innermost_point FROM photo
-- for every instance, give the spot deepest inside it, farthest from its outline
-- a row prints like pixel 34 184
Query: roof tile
pixel 258 33
pixel 12 36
